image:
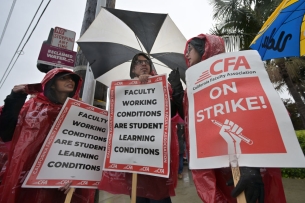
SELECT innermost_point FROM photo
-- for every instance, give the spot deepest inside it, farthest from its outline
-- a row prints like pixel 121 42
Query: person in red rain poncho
pixel 26 125
pixel 150 189
pixel 262 185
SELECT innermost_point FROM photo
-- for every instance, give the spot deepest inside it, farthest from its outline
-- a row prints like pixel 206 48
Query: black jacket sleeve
pixel 178 93
pixel 9 115
pixel 177 103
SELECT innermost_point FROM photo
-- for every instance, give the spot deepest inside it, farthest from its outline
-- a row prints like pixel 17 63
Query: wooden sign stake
pixel 241 198
pixel 69 195
pixel 134 188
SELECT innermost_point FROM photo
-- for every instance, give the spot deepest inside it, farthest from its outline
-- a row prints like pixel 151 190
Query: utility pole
pixel 91 11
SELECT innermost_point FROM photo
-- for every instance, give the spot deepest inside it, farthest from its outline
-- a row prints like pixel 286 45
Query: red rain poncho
pixel 3 155
pixel 211 183
pixel 34 122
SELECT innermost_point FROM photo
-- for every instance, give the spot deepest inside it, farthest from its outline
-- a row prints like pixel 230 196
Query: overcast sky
pixel 192 17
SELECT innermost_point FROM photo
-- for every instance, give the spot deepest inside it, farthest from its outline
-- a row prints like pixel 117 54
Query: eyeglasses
pixel 189 49
pixel 140 62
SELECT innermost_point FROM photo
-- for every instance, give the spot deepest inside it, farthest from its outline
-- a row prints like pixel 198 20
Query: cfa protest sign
pixel 139 127
pixel 73 150
pixel 234 110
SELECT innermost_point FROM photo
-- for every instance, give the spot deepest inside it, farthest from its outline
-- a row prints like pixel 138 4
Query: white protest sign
pixel 63 38
pixel 73 150
pixel 234 110
pixel 139 127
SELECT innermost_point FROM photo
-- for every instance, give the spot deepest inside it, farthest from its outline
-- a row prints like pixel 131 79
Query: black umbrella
pixel 115 36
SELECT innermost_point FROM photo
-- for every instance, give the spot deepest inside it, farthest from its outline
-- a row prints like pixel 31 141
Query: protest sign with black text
pixel 234 110
pixel 139 127
pixel 73 150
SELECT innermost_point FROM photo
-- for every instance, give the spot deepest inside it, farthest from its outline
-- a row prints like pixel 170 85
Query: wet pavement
pixel 294 190
pixel 186 192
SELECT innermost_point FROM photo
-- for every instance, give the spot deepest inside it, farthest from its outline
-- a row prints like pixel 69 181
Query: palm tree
pixel 241 19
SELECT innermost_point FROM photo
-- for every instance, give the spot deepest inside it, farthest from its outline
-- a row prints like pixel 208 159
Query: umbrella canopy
pixel 283 33
pixel 115 36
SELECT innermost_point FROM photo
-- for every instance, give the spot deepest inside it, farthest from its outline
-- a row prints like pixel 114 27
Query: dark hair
pixel 198 44
pixel 133 64
pixel 50 92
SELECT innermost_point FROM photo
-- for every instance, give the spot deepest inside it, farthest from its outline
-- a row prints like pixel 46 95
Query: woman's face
pixel 141 67
pixel 64 84
pixel 192 55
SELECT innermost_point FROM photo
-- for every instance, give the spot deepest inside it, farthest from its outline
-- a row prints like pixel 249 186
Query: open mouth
pixel 70 86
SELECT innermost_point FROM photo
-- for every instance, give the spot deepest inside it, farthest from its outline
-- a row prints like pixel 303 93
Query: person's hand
pixel 66 188
pixel 229 132
pixel 19 89
pixel 144 78
pixel 251 182
pixel 174 79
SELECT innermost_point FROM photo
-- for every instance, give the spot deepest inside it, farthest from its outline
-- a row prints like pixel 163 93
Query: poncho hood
pixel 213 45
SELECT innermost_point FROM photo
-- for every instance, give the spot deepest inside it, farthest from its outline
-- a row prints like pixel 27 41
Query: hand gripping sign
pixel 74 149
pixel 139 127
pixel 234 110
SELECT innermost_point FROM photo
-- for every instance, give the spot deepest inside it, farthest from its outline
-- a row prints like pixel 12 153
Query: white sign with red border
pixel 73 150
pixel 63 38
pixel 139 127
pixel 234 112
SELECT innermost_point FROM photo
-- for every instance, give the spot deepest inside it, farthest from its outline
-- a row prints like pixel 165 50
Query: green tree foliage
pixel 296 172
pixel 289 72
pixel 294 114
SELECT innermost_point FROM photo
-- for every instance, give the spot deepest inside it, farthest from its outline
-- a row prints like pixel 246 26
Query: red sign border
pixel 32 180
pixel 164 171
